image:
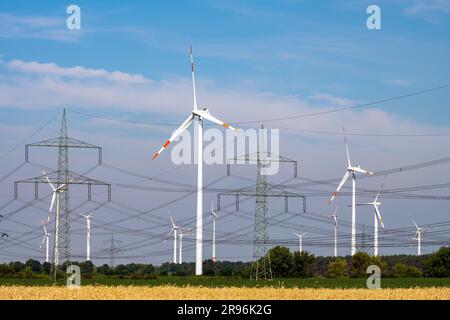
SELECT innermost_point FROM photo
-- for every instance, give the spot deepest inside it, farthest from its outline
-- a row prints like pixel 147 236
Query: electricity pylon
pixel 261 267
pixel 112 250
pixel 63 176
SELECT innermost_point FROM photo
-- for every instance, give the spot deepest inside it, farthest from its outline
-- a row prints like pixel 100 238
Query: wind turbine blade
pixel 173 222
pixel 415 224
pixel 53 202
pixel 211 118
pixel 177 132
pixel 379 216
pixel 43 240
pixel 48 181
pixel 193 78
pixel 343 181
pixel 379 191
pixel 360 170
pixel 346 148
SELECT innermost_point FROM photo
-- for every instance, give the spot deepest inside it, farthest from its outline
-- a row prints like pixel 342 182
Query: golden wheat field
pixel 202 293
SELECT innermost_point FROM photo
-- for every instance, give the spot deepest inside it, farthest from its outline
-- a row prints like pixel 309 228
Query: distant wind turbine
pixel 334 217
pixel 88 233
pixel 351 171
pixel 300 241
pixel 45 239
pixel 214 217
pixel 377 218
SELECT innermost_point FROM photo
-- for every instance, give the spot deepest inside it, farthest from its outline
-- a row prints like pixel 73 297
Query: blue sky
pixel 254 60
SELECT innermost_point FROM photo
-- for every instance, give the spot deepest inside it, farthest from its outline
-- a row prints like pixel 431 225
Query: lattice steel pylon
pixel 261 267
pixel 61 246
pixel 112 250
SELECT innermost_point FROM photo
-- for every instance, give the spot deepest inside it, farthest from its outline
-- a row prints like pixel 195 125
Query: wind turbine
pixel 418 237
pixel 377 217
pixel 55 196
pixel 174 230
pixel 334 217
pixel 88 233
pixel 351 171
pixel 214 216
pixel 45 239
pixel 300 241
pixel 199 115
pixel 181 234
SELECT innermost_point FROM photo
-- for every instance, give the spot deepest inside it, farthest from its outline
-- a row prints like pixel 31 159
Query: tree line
pixel 284 264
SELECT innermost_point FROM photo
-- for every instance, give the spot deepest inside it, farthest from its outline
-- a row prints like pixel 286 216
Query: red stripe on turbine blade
pixel 166 144
pixel 192 65
pixel 155 155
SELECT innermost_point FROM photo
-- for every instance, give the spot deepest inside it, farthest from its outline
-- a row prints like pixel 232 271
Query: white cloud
pixel 430 10
pixel 78 72
pixel 36 27
pixel 333 100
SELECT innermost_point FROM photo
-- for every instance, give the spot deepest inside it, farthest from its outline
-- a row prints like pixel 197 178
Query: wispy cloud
pixel 36 27
pixel 332 100
pixel 431 10
pixel 78 72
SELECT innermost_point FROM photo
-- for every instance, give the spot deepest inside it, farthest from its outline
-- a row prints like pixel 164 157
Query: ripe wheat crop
pixel 231 293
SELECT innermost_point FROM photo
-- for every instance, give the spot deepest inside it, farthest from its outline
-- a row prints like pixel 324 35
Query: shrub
pixel 282 262
pixel 303 262
pixel 337 269
pixel 437 265
pixel 359 263
pixel 401 270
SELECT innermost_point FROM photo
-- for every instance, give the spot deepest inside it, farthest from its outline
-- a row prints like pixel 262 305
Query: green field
pixel 238 282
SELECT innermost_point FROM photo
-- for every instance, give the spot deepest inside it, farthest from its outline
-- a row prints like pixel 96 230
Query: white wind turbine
pixel 88 218
pixel 419 233
pixel 181 235
pixel 45 239
pixel 351 171
pixel 377 217
pixel 214 217
pixel 174 230
pixel 199 115
pixel 300 241
pixel 334 217
pixel 55 196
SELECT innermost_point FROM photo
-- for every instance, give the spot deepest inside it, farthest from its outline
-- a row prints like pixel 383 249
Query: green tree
pixel 35 265
pixel 401 270
pixel 378 261
pixel 437 265
pixel 303 263
pixel 46 267
pixel 337 268
pixel 282 262
pixel 86 267
pixel 359 263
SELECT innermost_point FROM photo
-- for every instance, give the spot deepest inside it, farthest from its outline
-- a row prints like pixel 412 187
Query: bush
pixel 282 262
pixel 437 265
pixel 303 263
pixel 359 263
pixel 337 269
pixel 401 270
